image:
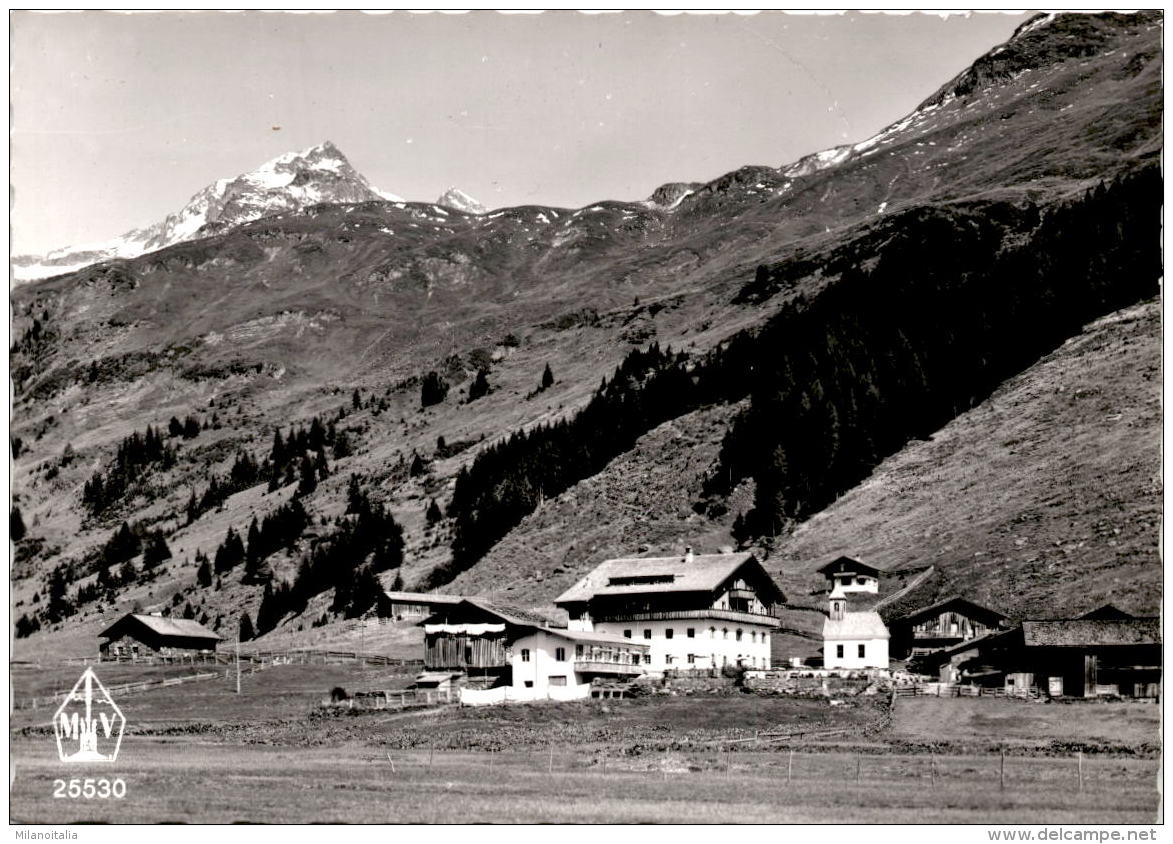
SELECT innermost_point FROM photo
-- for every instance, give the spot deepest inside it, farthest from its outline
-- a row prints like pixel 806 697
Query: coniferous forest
pixel 943 304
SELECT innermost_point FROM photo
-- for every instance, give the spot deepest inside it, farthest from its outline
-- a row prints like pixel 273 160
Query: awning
pixel 466 629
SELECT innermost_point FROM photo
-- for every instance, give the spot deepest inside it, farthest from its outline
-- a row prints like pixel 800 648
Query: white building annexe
pixel 694 611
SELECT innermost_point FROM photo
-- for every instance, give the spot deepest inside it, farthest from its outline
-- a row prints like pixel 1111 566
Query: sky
pixel 118 119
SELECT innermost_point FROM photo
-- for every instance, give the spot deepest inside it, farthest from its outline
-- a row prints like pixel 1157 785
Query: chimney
pixel 688 553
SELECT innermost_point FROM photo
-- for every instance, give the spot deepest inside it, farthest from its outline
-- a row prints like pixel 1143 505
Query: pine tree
pixel 246 628
pixel 547 378
pixel 174 427
pixel 156 550
pixel 309 480
pixel 479 387
pixel 434 513
pixel 433 389
pixel 16 530
pixel 204 572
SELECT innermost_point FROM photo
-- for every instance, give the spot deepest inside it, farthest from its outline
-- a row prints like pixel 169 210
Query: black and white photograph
pixel 574 418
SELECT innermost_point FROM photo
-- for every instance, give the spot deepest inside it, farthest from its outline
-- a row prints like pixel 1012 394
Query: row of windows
pixel 862 651
pixel 691 634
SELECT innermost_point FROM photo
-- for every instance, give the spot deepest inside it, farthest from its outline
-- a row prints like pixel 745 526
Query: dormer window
pixel 641 579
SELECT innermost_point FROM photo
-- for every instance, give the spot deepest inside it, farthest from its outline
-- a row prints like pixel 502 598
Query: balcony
pixel 763 619
pixel 598 667
pixel 742 594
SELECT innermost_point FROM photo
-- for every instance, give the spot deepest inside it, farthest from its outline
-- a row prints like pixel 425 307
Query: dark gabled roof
pixel 185 628
pixel 1091 632
pixel 963 605
pixel 850 564
pixel 1106 612
pixel 507 614
pixel 423 598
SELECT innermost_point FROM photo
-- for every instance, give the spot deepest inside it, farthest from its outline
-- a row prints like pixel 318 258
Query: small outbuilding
pixel 416 605
pixel 851 575
pixel 943 625
pixel 140 636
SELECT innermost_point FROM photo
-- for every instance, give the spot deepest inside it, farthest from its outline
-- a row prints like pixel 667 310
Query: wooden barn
pixel 473 637
pixel 402 605
pixel 139 636
pixel 495 646
pixel 945 624
pixel 1086 657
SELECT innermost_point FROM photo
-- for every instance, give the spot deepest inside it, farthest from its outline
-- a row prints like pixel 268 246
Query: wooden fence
pixel 948 690
pixel 126 688
pixel 286 657
pixel 398 698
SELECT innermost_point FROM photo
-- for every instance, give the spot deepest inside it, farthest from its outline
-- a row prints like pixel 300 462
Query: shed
pixel 137 635
pixel 414 604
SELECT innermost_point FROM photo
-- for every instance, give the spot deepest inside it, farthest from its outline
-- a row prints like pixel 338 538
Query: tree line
pixel 954 300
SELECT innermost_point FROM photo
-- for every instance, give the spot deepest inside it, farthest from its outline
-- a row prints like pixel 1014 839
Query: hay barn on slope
pixel 138 636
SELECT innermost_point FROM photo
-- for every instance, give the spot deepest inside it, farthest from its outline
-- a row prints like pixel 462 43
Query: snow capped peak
pixel 288 183
pixel 458 200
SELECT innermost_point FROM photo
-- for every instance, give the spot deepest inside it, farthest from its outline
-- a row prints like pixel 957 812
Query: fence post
pixel 932 769
pixel 1081 770
pixel 790 766
pixel 1002 772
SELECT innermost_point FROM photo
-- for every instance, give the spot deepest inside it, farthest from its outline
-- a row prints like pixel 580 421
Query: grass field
pixel 182 780
pixel 200 753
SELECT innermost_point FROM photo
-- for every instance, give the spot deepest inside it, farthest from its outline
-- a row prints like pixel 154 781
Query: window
pixel 529 684
pixel 724 632
pixel 647 659
pixel 753 635
pixel 557 681
pixel 739 635
pixel 839 651
pixel 578 651
pixel 560 654
pixel 626 634
pixel 647 634
pixel 861 581
pixel 525 654
pixel 862 649
pixel 692 659
pixel 668 633
pixel 712 632
pixel 668 659
pixel 468 654
pixel 692 632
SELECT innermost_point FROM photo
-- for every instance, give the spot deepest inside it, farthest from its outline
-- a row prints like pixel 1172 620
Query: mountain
pixel 289 183
pixel 900 282
pixel 458 200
